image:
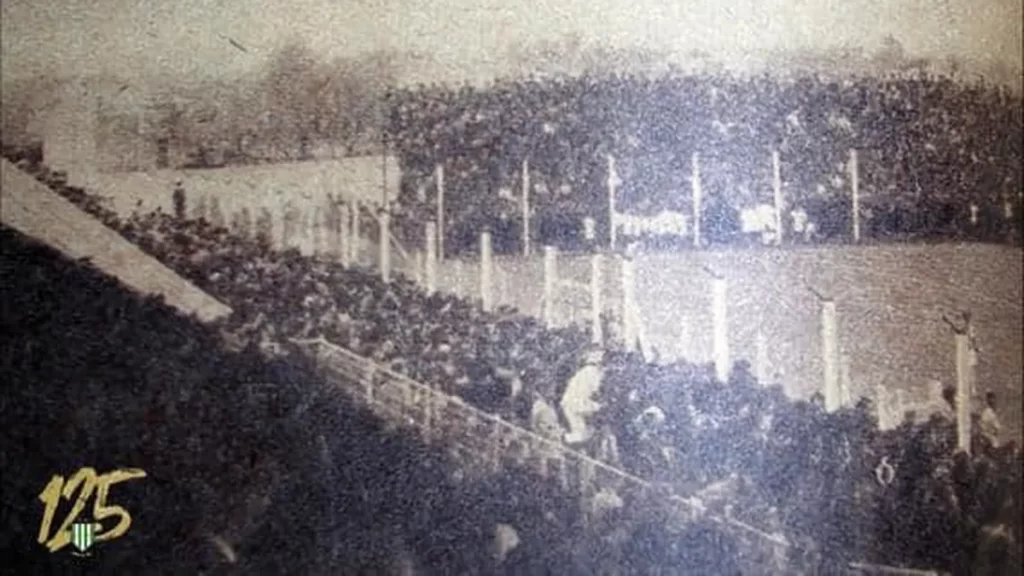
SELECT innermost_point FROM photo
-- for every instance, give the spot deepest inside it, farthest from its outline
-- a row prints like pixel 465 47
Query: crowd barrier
pixel 489 442
pixel 350 232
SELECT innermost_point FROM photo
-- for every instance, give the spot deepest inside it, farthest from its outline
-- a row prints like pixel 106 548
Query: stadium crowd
pixel 928 148
pixel 254 465
pixel 832 482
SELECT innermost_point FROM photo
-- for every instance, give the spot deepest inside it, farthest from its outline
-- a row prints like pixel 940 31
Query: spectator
pixel 991 427
pixel 178 198
pixel 719 430
pixel 578 401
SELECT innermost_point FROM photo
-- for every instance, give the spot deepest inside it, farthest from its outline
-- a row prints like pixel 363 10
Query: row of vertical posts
pixel 628 308
pixel 349 236
pixel 614 182
pixel 348 233
pixel 836 367
pixel 778 196
pixel 837 376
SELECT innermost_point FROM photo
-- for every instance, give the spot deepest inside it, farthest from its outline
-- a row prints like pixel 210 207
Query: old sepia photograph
pixel 485 288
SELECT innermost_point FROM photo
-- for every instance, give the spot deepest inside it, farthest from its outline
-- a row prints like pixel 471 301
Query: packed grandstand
pixel 937 160
pixel 832 483
pixel 928 148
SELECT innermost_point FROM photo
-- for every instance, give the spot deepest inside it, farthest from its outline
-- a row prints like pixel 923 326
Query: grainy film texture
pixel 610 288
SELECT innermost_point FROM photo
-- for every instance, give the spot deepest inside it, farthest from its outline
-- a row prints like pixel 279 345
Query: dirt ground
pixel 890 301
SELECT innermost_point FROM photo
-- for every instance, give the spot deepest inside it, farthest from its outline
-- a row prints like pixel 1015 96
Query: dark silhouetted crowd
pixel 253 465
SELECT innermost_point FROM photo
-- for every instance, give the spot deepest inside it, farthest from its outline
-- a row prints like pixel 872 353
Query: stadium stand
pixel 929 147
pixel 247 474
pixel 819 477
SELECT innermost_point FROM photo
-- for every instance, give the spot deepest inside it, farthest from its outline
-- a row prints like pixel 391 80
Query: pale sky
pixel 126 37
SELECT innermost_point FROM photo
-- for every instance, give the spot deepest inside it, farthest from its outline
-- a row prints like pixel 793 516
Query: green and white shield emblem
pixel 83 535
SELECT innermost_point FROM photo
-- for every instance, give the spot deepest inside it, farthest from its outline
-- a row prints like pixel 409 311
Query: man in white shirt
pixel 990 425
pixel 578 402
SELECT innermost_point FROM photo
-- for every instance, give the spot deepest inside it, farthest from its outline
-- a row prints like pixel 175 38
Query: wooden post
pixel 287 225
pixel 596 304
pixel 439 176
pixel 502 280
pixel 761 358
pixel 629 318
pixel 882 409
pixel 963 392
pixel 486 272
pixel 901 406
pixel 526 207
pixel 278 213
pixel 777 190
pixel 354 241
pixel 420 272
pixel 385 245
pixel 307 217
pixel 431 242
pixel 830 355
pixel 550 282
pixel 696 190
pixel 563 472
pixel 684 347
pixel 720 325
pixel 309 230
pixel 845 381
pixel 612 184
pixel 855 191
pixel 296 234
pixel 459 273
pixel 345 236
pixel 317 230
